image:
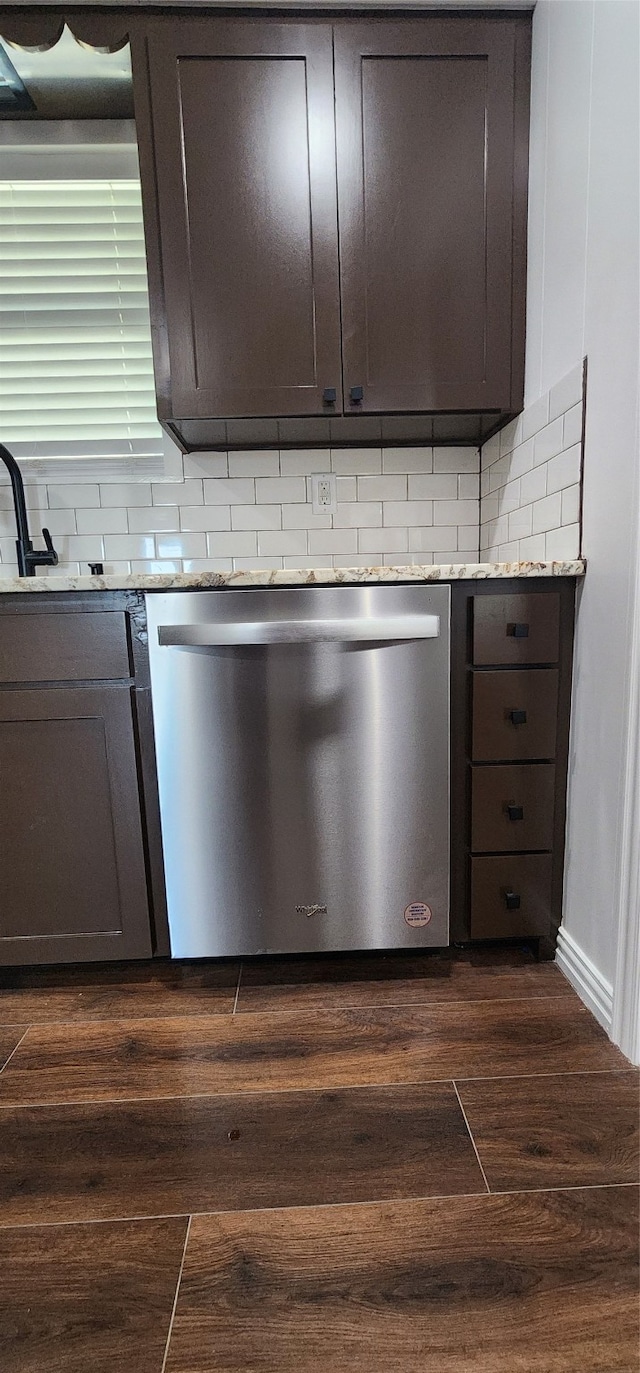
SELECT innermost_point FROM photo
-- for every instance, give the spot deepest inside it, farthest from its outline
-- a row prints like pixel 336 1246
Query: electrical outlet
pixel 323 493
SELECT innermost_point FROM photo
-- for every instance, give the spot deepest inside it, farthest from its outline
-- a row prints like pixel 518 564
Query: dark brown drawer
pixel 514 714
pixel 510 895
pixel 87 646
pixel 516 629
pixel 512 807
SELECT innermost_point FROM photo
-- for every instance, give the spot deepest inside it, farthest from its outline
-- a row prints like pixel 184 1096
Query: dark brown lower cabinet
pixel 74 885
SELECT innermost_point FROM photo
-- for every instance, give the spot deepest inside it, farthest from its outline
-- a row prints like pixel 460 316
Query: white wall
pixel 584 238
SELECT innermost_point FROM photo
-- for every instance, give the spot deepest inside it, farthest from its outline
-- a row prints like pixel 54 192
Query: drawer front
pixel 510 895
pixel 87 646
pixel 512 808
pixel 516 629
pixel 514 715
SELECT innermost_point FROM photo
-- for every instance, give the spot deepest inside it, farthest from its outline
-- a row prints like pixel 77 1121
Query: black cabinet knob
pixel 513 811
pixel 518 631
pixel 518 717
pixel 329 395
pixel 511 900
pixel 356 394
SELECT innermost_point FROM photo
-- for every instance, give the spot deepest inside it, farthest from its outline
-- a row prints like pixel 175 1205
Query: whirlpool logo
pixel 311 910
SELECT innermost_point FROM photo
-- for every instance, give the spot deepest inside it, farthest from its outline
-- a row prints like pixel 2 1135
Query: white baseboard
pixel 591 986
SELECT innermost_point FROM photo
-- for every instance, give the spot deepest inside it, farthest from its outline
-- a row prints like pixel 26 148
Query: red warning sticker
pixel 417 914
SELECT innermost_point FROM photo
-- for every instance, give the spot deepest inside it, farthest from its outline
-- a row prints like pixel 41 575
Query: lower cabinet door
pixel 510 895
pixel 72 871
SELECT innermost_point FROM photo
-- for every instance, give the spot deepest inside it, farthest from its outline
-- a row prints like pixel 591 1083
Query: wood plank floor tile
pixel 281 984
pixel 213 1054
pixel 108 991
pixel 536 1283
pixel 99 1162
pixel 10 1036
pixel 88 1299
pixel 569 1131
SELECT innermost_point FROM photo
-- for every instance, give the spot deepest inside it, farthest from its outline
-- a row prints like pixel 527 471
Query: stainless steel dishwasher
pixel 302 739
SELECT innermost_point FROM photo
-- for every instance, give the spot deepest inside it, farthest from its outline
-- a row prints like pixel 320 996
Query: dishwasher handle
pixel 248 632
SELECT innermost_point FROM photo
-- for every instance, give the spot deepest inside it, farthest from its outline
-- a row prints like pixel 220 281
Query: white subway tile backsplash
pixel 403 460
pixel 358 514
pixel 547 513
pixel 68 521
pixel 256 517
pixel 535 417
pixel 510 436
pixel 432 540
pixel 490 451
pixel 409 512
pixel 181 545
pixel 302 517
pixel 281 490
pixel 153 566
pixel 498 474
pixel 205 517
pixel 277 542
pixel 207 564
pixel 230 491
pixel 547 442
pixel 564 469
pixel 95 521
pixel 468 486
pixel 129 546
pixel 563 543
pixel 456 459
pixel 206 465
pixel 521 459
pixel 566 393
pixel 335 540
pixel 254 464
pixel 73 497
pixel 455 512
pixel 302 462
pixel 177 493
pixel 355 462
pixel 238 545
pixel 389 488
pixel 156 519
pixel 35 496
pixel 533 485
pixel 533 549
pixel 435 486
pixel 360 560
pixel 303 564
pixel 509 497
pixel 573 426
pixel 122 495
pixel 468 537
pixel 81 548
pixel 508 552
pixel 383 541
pixel 571 504
pixel 521 522
pixel 346 489
pixel 256 564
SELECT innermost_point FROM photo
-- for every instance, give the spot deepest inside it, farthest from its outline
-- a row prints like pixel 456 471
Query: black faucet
pixel 28 557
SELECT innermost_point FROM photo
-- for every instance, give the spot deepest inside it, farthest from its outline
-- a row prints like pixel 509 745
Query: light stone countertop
pixel 321 576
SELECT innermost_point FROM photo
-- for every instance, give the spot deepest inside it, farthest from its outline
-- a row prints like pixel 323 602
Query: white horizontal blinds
pixel 76 372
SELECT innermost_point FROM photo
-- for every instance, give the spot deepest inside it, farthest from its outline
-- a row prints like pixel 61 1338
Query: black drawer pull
pixel 329 395
pixel 518 631
pixel 514 812
pixel 356 394
pixel 511 899
pixel 518 717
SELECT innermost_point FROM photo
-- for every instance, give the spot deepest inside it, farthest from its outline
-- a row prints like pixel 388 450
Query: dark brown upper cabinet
pixel 336 225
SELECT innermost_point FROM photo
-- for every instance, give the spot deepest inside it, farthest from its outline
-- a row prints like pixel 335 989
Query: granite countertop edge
pixel 321 576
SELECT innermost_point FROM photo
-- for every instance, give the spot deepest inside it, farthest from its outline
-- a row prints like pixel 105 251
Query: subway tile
pixel 547 443
pixel 176 545
pixel 532 550
pixel 358 514
pixel 521 522
pixel 206 517
pixel 418 559
pixel 490 507
pixel 359 560
pixel 256 517
pixel 8 549
pixel 433 539
pixel 456 556
pixel 242 544
pixel 118 567
pixel 156 519
pixel 498 530
pixel 535 417
pixel 456 459
pixel 490 452
pixel 346 489
pixel 255 463
pixel 335 540
pixel 155 566
pixel 71 497
pixel 280 490
pixel 383 541
pixel 509 552
pixel 35 494
pixel 81 548
pixel 509 497
pixel 435 486
pixel 405 513
pixel 241 564
pixel 468 537
pixel 206 465
pixel 533 485
pixel 306 564
pixel 566 393
pixel 499 474
pixel 99 521
pixel 547 514
pixel 65 569
pixel 302 462
pixel 572 427
pixel 123 495
pixel 207 564
pixel 455 512
pixel 129 546
pixel 394 560
pixel 230 491
pixel 58 522
pixel 355 462
pixel 563 543
pixel 571 504
pixel 510 436
pixel 484 482
pixel 468 486
pixel 177 493
pixel 521 460
pixel 403 460
pixel 302 517
pixel 277 542
pixel 382 488
pixel 564 469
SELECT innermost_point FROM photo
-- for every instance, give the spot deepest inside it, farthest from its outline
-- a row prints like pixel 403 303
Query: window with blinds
pixel 76 373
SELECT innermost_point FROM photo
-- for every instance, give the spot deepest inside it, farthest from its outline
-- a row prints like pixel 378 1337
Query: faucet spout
pixel 28 557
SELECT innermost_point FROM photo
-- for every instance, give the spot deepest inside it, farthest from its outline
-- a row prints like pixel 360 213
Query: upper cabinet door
pixel 244 135
pixel 426 162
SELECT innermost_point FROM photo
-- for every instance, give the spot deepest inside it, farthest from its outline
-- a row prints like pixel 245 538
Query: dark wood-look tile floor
pixel 389 1163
